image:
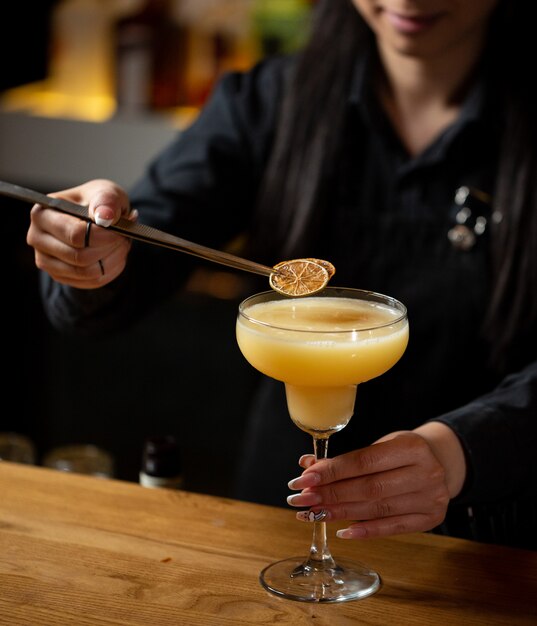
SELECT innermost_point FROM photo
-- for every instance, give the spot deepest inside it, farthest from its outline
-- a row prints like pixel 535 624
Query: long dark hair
pixel 309 136
pixel 513 305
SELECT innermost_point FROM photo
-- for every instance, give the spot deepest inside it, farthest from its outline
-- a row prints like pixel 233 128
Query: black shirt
pixel 387 230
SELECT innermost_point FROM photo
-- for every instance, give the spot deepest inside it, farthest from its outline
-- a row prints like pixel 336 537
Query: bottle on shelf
pixel 281 26
pixel 161 463
pixel 150 59
pixel 81 54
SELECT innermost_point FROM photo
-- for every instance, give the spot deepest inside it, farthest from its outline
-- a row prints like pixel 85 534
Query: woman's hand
pixel 401 484
pixel 78 253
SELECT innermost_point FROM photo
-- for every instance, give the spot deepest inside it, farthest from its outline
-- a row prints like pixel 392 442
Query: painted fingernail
pixel 356 532
pixel 102 222
pixel 306 480
pixel 306 460
pixel 313 516
pixel 304 499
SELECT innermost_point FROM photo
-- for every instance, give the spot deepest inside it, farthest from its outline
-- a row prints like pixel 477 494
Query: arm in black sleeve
pixel 499 434
pixel 202 187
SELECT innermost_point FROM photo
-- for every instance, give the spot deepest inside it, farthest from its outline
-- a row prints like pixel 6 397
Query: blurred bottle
pixel 81 459
pixel 161 463
pixel 282 26
pixel 150 58
pixel 81 53
pixel 220 38
pixel 17 448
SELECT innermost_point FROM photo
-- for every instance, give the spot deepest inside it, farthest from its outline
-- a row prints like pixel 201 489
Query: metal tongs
pixel 137 231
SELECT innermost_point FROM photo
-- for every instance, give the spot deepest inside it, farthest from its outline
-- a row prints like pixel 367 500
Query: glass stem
pixel 320 557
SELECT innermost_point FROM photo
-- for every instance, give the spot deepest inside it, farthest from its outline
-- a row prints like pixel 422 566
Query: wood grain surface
pixel 77 550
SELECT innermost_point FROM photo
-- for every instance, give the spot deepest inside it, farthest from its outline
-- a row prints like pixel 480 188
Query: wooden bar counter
pixel 77 550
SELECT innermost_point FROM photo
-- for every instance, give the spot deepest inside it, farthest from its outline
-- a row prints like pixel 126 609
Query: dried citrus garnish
pixel 301 277
pixel 326 264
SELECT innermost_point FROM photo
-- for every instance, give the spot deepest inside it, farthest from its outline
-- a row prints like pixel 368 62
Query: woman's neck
pixel 422 96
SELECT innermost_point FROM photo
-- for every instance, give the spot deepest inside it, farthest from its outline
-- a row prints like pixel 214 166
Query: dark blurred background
pixel 178 372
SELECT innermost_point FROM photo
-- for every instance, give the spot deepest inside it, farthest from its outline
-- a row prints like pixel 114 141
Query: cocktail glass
pixel 321 346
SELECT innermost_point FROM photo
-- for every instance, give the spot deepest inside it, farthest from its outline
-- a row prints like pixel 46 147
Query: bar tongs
pixel 134 230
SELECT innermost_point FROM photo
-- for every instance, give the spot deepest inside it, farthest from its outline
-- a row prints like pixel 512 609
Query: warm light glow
pixel 41 99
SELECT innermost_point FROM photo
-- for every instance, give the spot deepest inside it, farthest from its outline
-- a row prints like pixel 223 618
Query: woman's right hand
pixel 78 253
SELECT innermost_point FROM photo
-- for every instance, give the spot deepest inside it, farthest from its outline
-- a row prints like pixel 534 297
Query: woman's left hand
pixel 397 485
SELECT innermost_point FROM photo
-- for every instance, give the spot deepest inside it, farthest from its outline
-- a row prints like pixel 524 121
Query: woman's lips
pixel 411 24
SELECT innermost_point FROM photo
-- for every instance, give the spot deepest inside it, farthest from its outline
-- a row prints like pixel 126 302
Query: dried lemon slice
pixel 301 277
pixel 326 264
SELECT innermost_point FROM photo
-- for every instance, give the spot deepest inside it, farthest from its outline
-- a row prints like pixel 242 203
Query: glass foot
pixel 296 579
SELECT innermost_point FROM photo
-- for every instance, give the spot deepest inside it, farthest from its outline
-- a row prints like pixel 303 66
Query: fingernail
pixel 306 460
pixel 356 532
pixel 306 480
pixel 313 516
pixel 102 221
pixel 304 499
pixel 103 215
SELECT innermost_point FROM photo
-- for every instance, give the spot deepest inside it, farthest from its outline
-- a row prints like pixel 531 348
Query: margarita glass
pixel 321 346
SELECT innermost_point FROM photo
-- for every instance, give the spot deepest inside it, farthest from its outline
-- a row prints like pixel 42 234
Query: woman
pixel 399 145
